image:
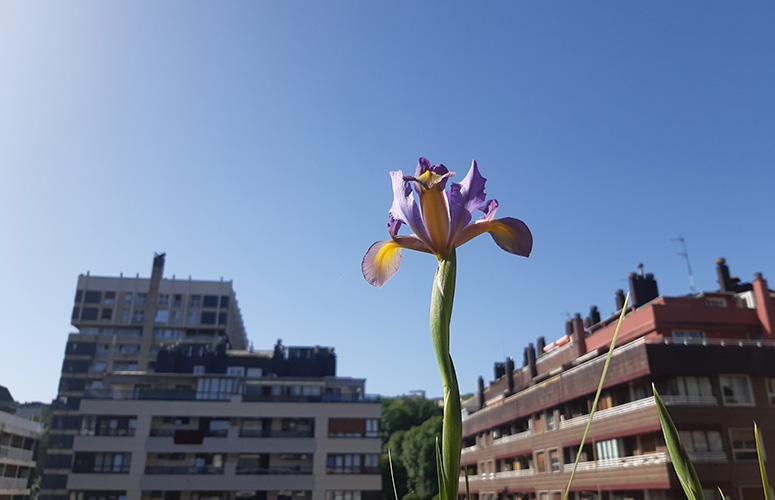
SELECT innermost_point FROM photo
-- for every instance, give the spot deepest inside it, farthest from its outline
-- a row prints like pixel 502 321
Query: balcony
pixel 689 400
pixel 633 461
pixel 182 469
pixel 13 483
pixel 297 469
pixel 506 474
pixel 609 412
pixel 708 457
pixel 16 453
pixel 261 433
pixel 511 438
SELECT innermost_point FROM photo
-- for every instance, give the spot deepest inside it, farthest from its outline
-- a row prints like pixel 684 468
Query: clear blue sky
pixel 252 140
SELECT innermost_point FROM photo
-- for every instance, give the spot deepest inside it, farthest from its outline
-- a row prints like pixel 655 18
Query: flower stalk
pixel 442 298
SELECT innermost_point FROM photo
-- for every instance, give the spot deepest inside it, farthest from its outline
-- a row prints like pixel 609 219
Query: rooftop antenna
pixel 685 255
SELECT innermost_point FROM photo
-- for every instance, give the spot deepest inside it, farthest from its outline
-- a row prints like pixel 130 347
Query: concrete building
pixel 159 399
pixel 19 437
pixel 711 357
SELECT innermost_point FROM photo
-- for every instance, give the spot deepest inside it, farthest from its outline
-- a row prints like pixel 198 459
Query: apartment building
pixel 711 356
pixel 18 441
pixel 160 399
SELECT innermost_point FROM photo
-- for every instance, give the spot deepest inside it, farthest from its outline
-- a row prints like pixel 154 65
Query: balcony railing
pixel 189 395
pixel 298 469
pixel 16 453
pixel 468 449
pixel 512 437
pixel 270 433
pixel 633 461
pixel 609 412
pixel 13 483
pixel 690 400
pixel 485 476
pixel 708 456
pixel 182 469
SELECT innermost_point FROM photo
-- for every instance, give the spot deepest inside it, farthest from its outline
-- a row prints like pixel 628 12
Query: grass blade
pixel 597 395
pixel 678 455
pixel 440 473
pixel 392 476
pixel 765 482
pixel 721 493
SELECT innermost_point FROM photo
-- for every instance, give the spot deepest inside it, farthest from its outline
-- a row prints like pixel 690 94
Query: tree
pixel 409 430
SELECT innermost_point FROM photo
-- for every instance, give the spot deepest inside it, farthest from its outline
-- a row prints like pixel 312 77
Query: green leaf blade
pixel 682 464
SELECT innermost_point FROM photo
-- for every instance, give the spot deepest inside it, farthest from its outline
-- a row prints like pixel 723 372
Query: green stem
pixel 442 300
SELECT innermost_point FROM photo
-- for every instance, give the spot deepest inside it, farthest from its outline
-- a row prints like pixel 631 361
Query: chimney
pixel 500 370
pixel 619 295
pixel 531 360
pixel 481 392
pixel 594 316
pixel 524 357
pixel 510 375
pixel 540 346
pixel 765 307
pixel 569 327
pixel 643 289
pixel 579 336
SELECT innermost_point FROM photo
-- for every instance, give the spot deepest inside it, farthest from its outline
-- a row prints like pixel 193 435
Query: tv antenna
pixel 685 255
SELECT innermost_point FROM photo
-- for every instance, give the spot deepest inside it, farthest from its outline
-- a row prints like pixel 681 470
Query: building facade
pixel 19 437
pixel 711 357
pixel 160 399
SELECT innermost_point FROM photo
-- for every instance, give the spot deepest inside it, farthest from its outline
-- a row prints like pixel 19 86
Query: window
pixel 236 370
pixel 127 349
pixel 610 448
pixel 138 316
pixel 107 314
pixel 162 315
pixel 167 333
pixel 208 318
pixel 175 319
pixel 554 460
pixel 222 317
pixel 164 299
pixel 350 463
pixel 343 495
pixel 214 388
pixel 540 461
pixel 210 301
pixel 195 301
pixel 128 299
pixel 99 366
pixel 193 318
pixel 224 301
pixel 76 313
pixel 102 462
pixel 255 373
pixel 551 423
pixel 125 315
pixel 372 427
pixel 89 314
pixel 702 441
pixel 78 295
pixel 715 302
pixel 688 336
pixel 110 298
pixel 770 382
pixel 92 297
pixel 736 390
pixel 141 299
pixel 743 444
pixel 199 369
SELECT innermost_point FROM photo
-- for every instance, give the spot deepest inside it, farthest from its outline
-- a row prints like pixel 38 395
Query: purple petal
pixel 423 165
pixel 393 226
pixel 404 207
pixel 465 198
pixel 489 209
pixel 511 235
pixel 381 262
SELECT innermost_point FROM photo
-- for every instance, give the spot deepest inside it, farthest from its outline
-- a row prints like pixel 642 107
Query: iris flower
pixel 442 221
